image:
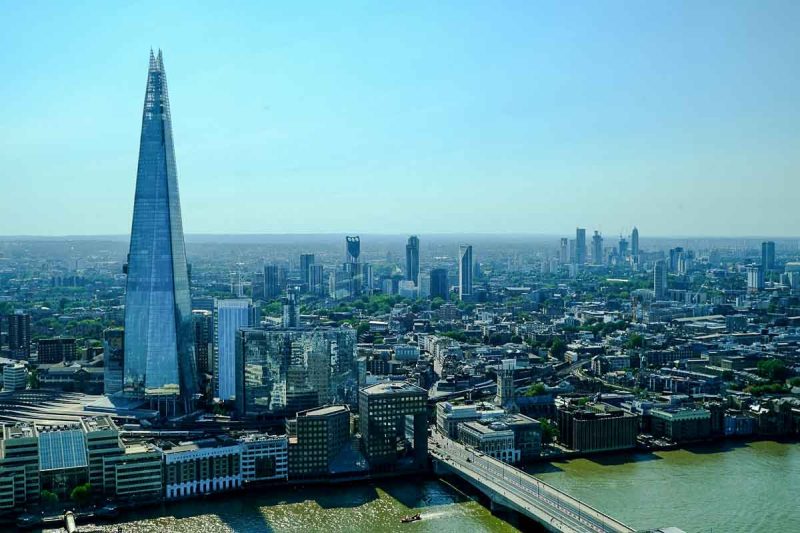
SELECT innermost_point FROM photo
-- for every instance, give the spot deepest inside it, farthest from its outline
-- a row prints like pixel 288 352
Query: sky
pixel 680 118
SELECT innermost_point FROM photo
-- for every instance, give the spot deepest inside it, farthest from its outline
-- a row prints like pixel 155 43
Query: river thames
pixel 731 487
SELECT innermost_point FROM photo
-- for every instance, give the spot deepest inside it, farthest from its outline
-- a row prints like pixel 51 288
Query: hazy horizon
pixel 523 118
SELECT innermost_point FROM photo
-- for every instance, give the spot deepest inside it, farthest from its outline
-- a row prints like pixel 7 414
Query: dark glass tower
pixel 159 335
pixel 412 259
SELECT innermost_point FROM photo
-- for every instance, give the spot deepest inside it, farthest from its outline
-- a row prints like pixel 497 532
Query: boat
pixel 411 518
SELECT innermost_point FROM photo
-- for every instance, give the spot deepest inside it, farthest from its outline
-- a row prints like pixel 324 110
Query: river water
pixel 733 487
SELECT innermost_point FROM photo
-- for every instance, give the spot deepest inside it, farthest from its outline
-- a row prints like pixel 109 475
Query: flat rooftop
pixel 325 411
pixel 392 388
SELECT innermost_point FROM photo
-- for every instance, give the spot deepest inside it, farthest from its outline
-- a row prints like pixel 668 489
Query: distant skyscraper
pixel 159 336
pixel 306 260
pixel 19 334
pixel 272 286
pixel 291 310
pixel 412 259
pixel 465 271
pixel 580 246
pixel 675 255
pixel 353 248
pixel 230 315
pixel 755 278
pixel 563 251
pixel 203 339
pixel 316 279
pixel 623 248
pixel 635 244
pixel 440 285
pixel 768 256
pixel 660 280
pixel 597 248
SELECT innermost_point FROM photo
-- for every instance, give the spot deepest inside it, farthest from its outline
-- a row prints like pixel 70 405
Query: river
pixel 732 487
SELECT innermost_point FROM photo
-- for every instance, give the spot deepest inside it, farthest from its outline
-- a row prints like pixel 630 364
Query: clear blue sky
pixel 404 117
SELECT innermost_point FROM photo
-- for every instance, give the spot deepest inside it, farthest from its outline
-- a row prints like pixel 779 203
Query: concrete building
pixel 660 280
pixel 412 259
pixel 505 384
pixel 15 377
pixel 465 272
pixel 319 436
pixel 681 425
pixel 201 467
pixel 203 339
pixel 492 438
pixel 264 457
pixel 19 334
pixel 768 256
pixel 755 278
pixel 596 427
pixel 19 465
pixel 135 474
pixel 56 350
pixel 580 246
pixel 393 424
pixel 306 260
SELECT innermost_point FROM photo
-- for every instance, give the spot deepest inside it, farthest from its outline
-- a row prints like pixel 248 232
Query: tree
pixel 634 341
pixel 549 432
pixel 558 348
pixel 81 494
pixel 48 498
pixel 773 369
pixel 537 389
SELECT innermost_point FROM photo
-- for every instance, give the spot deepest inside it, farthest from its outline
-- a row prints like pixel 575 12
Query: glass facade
pixel 274 368
pixel 159 334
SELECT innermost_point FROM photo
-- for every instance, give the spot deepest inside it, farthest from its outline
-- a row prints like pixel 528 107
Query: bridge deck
pixel 521 491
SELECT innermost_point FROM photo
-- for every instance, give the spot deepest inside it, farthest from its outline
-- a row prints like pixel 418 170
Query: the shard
pixel 159 338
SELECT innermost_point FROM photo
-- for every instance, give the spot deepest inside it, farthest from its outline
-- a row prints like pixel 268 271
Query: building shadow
pixel 617 459
pixel 705 448
pixel 543 468
pixel 427 492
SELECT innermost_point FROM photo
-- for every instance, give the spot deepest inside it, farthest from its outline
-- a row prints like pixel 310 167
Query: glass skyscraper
pixel 159 334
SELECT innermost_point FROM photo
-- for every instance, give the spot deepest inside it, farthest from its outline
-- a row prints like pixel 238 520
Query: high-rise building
pixel 391 414
pixel 291 309
pixel 306 260
pixel 15 377
pixel 159 337
pixel 635 244
pixel 113 359
pixel 412 259
pixel 203 339
pixel 272 287
pixel 755 278
pixel 675 255
pixel 229 317
pixel 660 280
pixel 563 251
pixel 440 285
pixel 580 246
pixel 316 279
pixel 19 334
pixel 596 427
pixel 768 256
pixel 56 350
pixel 257 285
pixel 597 248
pixel 623 248
pixel 465 271
pixel 320 434
pixel 352 249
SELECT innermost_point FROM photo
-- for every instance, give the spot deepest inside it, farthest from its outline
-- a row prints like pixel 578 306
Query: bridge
pixel 510 487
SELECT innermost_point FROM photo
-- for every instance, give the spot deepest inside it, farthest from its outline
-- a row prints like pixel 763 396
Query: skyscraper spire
pixel 159 337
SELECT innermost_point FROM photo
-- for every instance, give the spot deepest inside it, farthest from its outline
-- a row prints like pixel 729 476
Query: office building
pixel 465 272
pixel 635 245
pixel 392 414
pixel 352 249
pixel 495 439
pixel 580 246
pixel 316 279
pixel 103 441
pixel 597 248
pixel 596 427
pixel 56 350
pixel 229 317
pixel 319 436
pixel 412 259
pixel 15 377
pixel 203 339
pixel 201 467
pixel 424 286
pixel 280 370
pixel 159 337
pixel 257 286
pixel 306 260
pixel 681 425
pixel 134 475
pixel 660 280
pixel 272 286
pixel 622 248
pixel 19 465
pixel 113 359
pixel 675 255
pixel 19 334
pixel 440 285
pixel 264 457
pixel 768 256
